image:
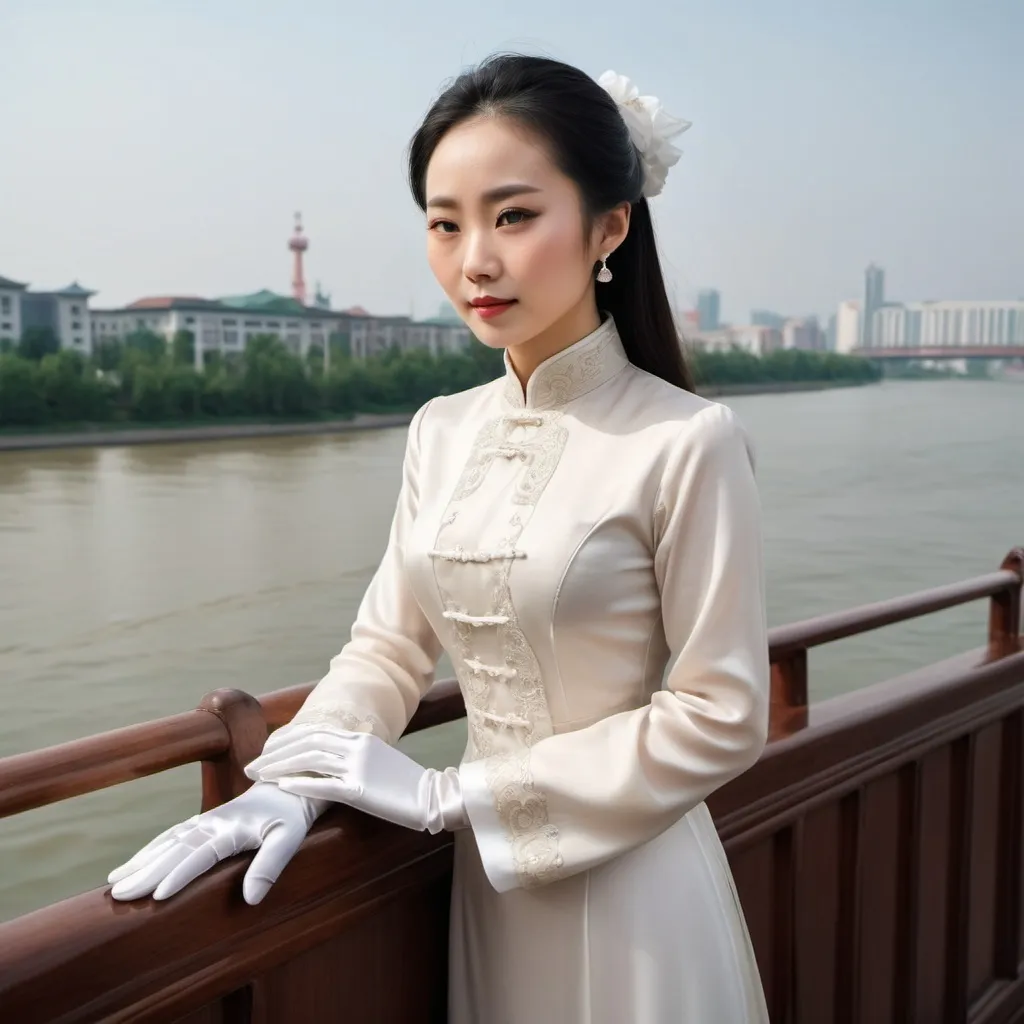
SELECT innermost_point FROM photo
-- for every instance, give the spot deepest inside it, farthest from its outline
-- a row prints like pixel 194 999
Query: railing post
pixel 242 716
pixel 1004 609
pixel 789 690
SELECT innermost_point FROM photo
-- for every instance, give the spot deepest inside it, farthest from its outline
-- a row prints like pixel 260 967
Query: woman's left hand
pixel 359 769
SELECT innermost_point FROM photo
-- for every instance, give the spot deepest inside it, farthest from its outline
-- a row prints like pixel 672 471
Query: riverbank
pixel 100 434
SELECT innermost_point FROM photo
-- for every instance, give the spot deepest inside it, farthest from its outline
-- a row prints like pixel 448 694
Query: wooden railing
pixel 878 848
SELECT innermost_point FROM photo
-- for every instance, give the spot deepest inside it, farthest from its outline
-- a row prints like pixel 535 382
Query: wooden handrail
pixel 876 849
pixel 167 959
pixel 881 723
pixel 52 774
pixel 229 727
pixel 45 776
pixel 825 629
pixel 123 952
pixel 789 644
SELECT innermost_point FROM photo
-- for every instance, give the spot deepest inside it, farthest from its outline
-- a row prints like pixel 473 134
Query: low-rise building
pixel 226 325
pixel 754 338
pixel 10 309
pixel 65 312
pixel 948 324
pixel 222 325
pixel 803 333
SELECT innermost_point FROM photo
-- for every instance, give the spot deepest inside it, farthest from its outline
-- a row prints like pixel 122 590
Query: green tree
pixel 145 380
pixel 315 359
pixel 212 361
pixel 338 390
pixel 21 397
pixel 149 344
pixel 489 362
pixel 37 342
pixel 222 393
pixel 374 386
pixel 108 353
pixel 150 396
pixel 274 380
pixel 183 348
pixel 184 392
pixel 72 389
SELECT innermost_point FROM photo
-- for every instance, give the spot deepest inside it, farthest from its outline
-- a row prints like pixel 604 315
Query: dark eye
pixel 444 227
pixel 511 217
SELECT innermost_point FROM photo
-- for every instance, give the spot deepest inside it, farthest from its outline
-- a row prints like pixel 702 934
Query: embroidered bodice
pixel 561 545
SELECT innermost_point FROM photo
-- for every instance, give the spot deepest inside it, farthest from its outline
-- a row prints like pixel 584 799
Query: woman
pixel 562 532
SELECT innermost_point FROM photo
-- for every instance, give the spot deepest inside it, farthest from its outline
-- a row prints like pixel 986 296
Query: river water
pixel 135 579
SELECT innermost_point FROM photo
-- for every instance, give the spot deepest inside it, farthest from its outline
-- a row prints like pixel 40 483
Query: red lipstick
pixel 487 306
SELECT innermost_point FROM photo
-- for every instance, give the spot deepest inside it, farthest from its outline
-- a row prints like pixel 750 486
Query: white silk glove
pixel 262 817
pixel 359 769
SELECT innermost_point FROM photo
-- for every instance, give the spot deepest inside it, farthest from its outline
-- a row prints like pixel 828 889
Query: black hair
pixel 590 143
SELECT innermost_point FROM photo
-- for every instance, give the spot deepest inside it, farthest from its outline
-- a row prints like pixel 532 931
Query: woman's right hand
pixel 264 818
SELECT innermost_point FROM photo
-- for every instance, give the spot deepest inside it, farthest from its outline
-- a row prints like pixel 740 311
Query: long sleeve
pixel 577 799
pixel 377 679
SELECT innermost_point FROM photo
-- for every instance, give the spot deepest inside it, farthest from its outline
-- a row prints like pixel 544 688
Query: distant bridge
pixel 944 352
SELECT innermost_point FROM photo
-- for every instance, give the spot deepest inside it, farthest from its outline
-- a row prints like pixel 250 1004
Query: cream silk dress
pixel 565 546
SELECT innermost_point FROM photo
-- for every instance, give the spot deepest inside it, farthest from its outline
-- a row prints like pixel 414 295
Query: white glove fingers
pixel 181 853
pixel 335 790
pixel 341 746
pixel 257 769
pixel 196 863
pixel 319 762
pixel 147 878
pixel 145 856
pixel 287 733
pixel 154 848
pixel 277 849
pixel 301 731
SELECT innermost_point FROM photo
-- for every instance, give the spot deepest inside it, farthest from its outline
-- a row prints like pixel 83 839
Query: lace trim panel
pixel 344 716
pixel 524 813
pixel 521 808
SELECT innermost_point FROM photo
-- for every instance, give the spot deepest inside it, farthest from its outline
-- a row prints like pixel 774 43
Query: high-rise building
pixel 874 298
pixel 847 326
pixel 766 318
pixel 708 309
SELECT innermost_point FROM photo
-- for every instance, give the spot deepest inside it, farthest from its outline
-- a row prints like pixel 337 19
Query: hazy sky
pixel 161 146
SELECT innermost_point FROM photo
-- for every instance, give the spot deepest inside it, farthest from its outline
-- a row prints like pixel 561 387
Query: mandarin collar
pixel 565 376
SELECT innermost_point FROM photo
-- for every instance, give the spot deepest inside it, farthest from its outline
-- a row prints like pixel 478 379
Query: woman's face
pixel 506 240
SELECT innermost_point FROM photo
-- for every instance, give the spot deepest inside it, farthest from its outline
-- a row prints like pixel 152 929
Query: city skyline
pixel 822 141
pixel 703 318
